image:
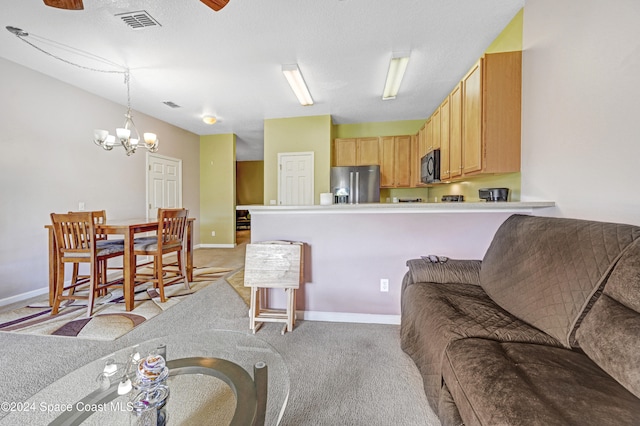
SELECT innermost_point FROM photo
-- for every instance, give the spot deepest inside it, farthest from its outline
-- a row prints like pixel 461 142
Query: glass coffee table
pixel 215 377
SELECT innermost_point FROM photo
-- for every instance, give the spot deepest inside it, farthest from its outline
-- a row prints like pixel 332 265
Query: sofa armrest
pixel 452 271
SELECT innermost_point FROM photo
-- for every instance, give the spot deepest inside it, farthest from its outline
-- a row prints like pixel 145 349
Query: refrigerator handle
pixel 351 188
pixel 357 188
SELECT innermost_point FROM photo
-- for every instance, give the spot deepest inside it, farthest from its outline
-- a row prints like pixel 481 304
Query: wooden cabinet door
pixel 402 159
pixel 435 129
pixel 388 161
pixel 455 132
pixel 344 152
pixel 415 161
pixel 428 134
pixel 368 151
pixel 444 140
pixel 472 120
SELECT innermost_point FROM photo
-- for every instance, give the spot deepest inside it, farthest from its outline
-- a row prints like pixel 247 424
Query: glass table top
pixel 195 398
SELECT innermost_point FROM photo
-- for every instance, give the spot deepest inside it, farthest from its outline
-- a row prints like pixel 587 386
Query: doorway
pixel 164 183
pixel 295 178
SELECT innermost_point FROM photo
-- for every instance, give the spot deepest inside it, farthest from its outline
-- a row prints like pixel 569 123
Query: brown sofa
pixel 545 330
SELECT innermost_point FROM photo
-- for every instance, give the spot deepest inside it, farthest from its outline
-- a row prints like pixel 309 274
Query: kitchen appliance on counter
pixel 355 184
pixel 430 167
pixel 452 198
pixel 494 194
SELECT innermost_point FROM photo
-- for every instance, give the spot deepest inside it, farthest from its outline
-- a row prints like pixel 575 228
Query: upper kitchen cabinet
pixel 356 151
pixel 491 105
pixel 395 170
pixel 455 132
pixel 444 138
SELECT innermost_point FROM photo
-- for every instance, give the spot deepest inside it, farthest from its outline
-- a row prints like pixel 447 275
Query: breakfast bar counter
pixel 356 254
pixel 452 207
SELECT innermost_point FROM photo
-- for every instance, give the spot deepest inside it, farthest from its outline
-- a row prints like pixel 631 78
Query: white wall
pixel 49 163
pixel 581 108
pixel 348 254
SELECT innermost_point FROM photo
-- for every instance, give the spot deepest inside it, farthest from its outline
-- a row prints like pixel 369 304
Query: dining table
pixel 128 228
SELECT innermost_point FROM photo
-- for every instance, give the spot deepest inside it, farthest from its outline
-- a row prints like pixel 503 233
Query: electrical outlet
pixel 213 233
pixel 81 206
pixel 384 284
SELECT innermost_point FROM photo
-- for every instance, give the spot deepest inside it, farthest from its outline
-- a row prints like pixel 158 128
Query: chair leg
pixel 94 276
pixel 59 289
pixel 159 275
pixel 74 277
pixel 183 268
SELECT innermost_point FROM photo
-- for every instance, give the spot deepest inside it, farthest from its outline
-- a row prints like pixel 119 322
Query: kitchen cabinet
pixel 491 110
pixel 435 130
pixel 428 134
pixel 356 151
pixel 455 132
pixel 444 139
pixel 395 169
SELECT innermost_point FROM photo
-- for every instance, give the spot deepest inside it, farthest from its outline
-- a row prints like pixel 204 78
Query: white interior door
pixel 295 178
pixel 164 183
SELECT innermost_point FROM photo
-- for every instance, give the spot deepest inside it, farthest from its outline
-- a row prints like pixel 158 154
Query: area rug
pixel 236 281
pixel 110 320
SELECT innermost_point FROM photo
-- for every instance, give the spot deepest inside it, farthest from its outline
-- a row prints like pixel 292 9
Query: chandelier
pixel 124 135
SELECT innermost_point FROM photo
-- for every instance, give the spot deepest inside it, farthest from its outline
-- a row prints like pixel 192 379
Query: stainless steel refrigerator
pixel 355 184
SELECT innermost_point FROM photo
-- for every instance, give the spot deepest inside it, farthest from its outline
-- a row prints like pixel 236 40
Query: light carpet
pixel 110 319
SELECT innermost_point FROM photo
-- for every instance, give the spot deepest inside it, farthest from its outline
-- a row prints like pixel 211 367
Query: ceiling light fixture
pixel 296 81
pixel 123 134
pixel 100 137
pixel 208 119
pixel 397 67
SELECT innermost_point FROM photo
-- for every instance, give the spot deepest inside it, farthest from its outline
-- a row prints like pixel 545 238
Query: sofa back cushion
pixel 547 271
pixel 610 332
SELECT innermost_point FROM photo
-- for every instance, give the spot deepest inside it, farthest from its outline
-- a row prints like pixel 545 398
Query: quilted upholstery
pixel 452 271
pixel 433 315
pixel 546 270
pixel 496 383
pixel 610 333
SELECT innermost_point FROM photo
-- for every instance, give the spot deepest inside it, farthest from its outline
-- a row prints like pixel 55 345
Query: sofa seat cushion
pixel 546 270
pixel 433 315
pixel 498 383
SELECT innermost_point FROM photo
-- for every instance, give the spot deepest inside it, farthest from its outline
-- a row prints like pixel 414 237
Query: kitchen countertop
pixel 447 207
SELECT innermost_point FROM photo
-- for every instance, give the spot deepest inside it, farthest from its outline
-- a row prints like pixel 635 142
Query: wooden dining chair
pixel 99 218
pixel 75 235
pixel 170 238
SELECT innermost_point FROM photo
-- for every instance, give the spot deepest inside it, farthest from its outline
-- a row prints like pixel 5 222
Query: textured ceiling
pixel 228 63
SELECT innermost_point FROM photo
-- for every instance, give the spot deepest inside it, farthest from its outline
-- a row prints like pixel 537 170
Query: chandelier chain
pixel 73 63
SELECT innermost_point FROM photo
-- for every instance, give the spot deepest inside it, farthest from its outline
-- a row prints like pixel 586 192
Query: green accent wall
pixel 469 188
pixel 218 189
pixel 299 134
pixel 384 128
pixel 510 39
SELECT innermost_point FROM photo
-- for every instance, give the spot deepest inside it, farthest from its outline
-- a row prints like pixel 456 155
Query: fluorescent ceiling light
pixel 294 77
pixel 397 67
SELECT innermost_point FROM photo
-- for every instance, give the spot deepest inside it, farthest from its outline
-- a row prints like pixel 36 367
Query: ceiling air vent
pixel 138 20
pixel 171 104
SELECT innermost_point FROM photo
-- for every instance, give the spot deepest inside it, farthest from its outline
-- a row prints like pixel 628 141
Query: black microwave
pixel 430 167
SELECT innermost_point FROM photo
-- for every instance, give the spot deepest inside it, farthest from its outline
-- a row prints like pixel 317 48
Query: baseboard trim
pixel 216 246
pixel 348 317
pixel 23 296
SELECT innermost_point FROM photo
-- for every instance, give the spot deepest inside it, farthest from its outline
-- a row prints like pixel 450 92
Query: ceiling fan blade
pixel 215 4
pixel 65 4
